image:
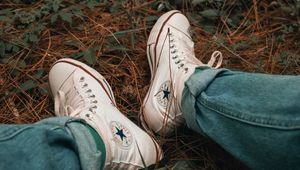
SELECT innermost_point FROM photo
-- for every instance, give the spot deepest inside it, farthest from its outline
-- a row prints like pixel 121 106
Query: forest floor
pixel 254 36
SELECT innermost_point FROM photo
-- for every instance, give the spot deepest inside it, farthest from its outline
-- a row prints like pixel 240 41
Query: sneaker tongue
pixel 186 38
pixel 185 43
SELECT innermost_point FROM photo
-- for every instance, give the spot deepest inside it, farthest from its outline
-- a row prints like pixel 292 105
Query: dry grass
pixel 129 75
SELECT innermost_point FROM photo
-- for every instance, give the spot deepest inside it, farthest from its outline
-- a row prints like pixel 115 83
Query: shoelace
pixel 216 54
pixel 180 51
pixel 72 103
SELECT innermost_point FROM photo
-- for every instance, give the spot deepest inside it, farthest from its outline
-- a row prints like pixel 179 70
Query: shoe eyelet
pixel 81 79
pixel 94 101
pixel 174 51
pixel 176 56
pixel 186 70
pixel 92 96
pixel 84 85
pixel 180 66
pixel 177 62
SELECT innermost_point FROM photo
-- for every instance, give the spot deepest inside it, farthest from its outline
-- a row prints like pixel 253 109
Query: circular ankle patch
pixel 121 134
pixel 163 94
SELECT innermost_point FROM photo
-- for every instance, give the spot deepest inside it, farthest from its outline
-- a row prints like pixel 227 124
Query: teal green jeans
pixel 54 143
pixel 255 117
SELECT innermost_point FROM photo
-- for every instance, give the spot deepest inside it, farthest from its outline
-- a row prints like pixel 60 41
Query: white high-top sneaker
pixel 171 58
pixel 80 91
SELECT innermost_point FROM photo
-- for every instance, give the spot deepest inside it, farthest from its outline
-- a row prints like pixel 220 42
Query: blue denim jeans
pixel 53 143
pixel 255 117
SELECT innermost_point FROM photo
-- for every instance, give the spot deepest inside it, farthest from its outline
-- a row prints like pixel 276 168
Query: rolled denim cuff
pixel 193 88
pixel 89 156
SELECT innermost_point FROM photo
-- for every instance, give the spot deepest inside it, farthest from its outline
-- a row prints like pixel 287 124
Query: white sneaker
pixel 171 58
pixel 80 91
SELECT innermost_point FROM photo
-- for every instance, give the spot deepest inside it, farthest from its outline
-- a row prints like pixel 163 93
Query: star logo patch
pixel 163 94
pixel 121 134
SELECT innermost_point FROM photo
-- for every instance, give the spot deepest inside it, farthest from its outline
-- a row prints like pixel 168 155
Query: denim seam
pixel 191 120
pixel 10 135
pixel 253 120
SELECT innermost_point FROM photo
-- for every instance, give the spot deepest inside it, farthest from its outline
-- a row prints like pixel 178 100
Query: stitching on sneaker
pixel 85 70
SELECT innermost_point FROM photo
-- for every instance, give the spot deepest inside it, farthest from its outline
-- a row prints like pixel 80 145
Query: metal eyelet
pixel 92 96
pixel 180 66
pixel 174 51
pixel 94 101
pixel 176 56
pixel 81 79
pixel 177 62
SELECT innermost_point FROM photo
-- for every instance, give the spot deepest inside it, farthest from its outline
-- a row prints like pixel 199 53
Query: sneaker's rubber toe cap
pixel 59 73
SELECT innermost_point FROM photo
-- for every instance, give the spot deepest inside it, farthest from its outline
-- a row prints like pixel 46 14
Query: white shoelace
pixel 72 103
pixel 180 51
pixel 214 56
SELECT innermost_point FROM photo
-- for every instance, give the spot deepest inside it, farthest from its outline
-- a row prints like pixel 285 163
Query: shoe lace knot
pixel 181 53
pixel 72 102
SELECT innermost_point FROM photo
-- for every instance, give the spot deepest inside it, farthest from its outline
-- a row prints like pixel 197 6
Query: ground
pixel 111 36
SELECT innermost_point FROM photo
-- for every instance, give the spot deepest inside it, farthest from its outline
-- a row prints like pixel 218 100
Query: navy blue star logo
pixel 120 133
pixel 166 94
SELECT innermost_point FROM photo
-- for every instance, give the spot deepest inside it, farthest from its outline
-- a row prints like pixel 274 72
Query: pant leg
pixel 255 117
pixel 53 143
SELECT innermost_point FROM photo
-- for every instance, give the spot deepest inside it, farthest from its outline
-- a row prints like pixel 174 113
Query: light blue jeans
pixel 53 143
pixel 255 117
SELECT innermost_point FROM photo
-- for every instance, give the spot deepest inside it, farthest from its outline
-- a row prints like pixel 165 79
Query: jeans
pixel 255 117
pixel 53 143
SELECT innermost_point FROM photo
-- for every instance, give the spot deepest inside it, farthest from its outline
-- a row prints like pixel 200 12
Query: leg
pixel 54 143
pixel 95 135
pixel 255 117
